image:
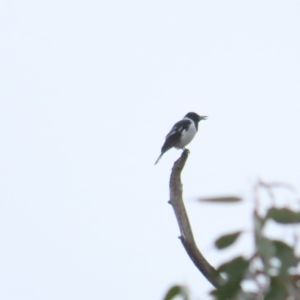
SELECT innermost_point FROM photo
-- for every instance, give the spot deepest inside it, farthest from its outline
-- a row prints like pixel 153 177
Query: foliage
pixel 272 270
pixel 175 291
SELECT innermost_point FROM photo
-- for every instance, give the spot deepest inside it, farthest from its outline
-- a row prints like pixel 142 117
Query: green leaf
pixel 176 290
pixel 285 254
pixel 265 248
pixel 259 224
pixel 226 199
pixel 283 215
pixel 226 240
pixel 234 269
pixel 277 289
pixel 227 291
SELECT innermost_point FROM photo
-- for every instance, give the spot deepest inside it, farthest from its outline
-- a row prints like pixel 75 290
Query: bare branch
pixel 187 237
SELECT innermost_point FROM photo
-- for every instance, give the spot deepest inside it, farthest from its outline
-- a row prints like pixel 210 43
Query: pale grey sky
pixel 88 91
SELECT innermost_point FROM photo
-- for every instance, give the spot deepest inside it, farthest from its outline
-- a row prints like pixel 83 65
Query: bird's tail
pixel 159 158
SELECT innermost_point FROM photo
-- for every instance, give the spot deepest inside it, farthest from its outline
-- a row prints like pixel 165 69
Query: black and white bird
pixel 181 133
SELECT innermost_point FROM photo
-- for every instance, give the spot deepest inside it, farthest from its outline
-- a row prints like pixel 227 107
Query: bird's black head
pixel 195 117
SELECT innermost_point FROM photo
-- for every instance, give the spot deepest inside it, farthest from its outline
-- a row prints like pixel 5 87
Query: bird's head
pixel 195 117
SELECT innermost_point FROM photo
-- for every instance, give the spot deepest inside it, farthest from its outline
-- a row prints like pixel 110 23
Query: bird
pixel 181 133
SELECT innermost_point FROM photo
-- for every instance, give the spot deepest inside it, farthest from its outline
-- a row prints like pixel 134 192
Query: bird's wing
pixel 179 127
pixel 173 137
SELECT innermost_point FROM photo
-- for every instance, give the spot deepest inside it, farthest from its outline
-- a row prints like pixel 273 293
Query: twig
pixel 187 237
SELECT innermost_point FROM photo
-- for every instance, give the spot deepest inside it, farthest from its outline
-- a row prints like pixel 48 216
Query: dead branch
pixel 187 237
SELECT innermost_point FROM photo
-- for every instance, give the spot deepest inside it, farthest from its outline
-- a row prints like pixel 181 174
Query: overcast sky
pixel 88 91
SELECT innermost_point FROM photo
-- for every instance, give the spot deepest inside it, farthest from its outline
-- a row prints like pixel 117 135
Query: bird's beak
pixel 203 118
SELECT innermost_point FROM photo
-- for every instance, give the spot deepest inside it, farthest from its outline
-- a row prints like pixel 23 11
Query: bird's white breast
pixel 187 136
